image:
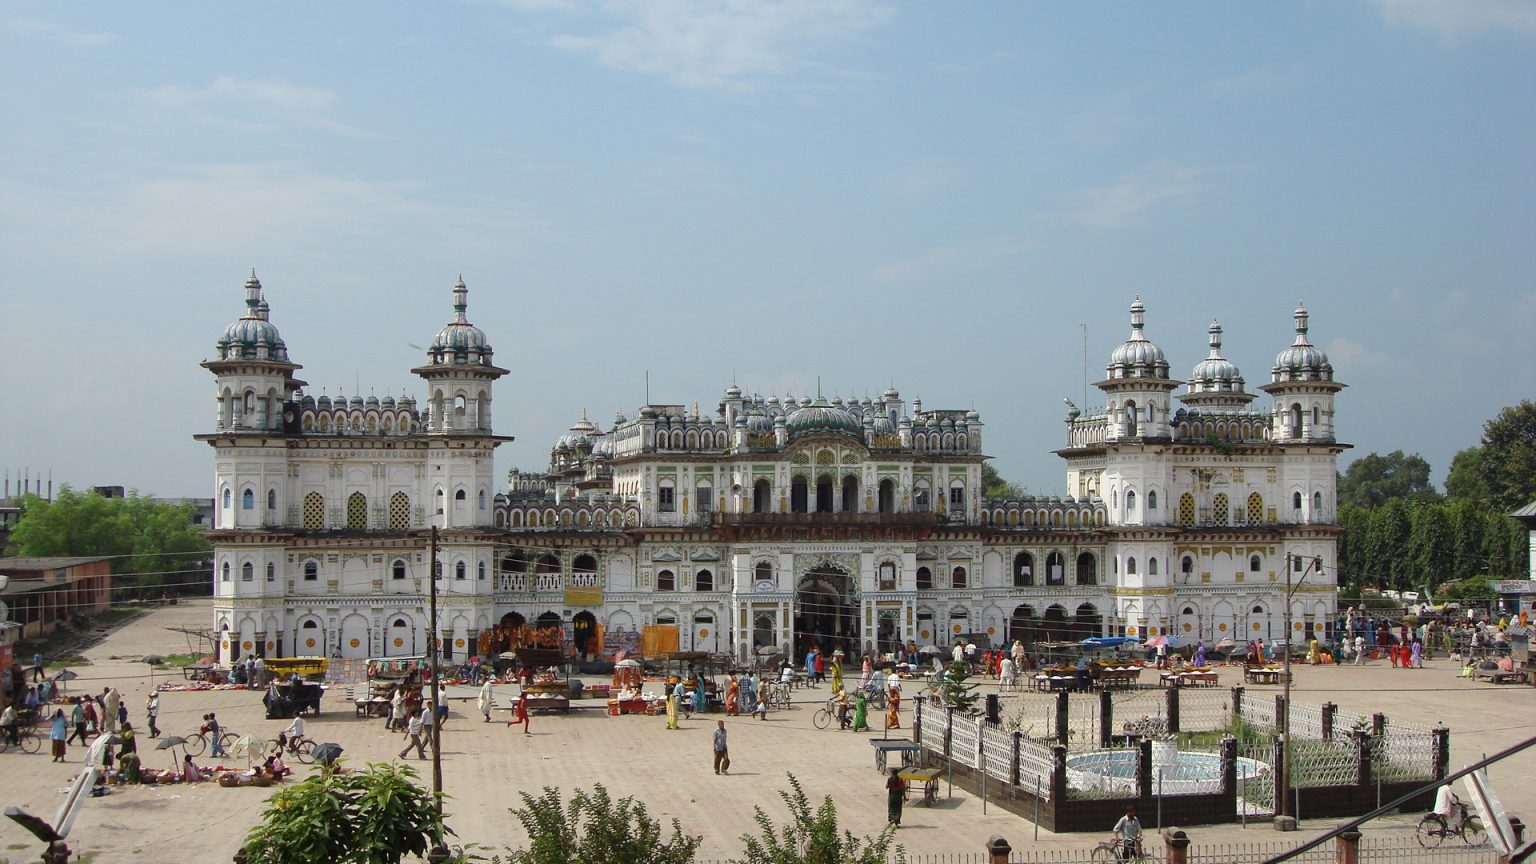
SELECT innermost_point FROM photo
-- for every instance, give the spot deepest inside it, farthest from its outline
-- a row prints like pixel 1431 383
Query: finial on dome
pixel 1301 322
pixel 460 301
pixel 252 293
pixel 1138 317
pixel 1215 331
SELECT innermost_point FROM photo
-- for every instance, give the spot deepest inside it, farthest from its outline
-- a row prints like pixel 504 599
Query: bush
pixel 594 829
pixel 375 816
pixel 814 838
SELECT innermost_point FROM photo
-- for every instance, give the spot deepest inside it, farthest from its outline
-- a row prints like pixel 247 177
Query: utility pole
pixel 1282 807
pixel 437 695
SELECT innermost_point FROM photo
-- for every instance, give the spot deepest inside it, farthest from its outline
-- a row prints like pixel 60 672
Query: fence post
pixel 1329 710
pixel 1144 769
pixel 949 732
pixel 1346 848
pixel 1237 703
pixel 1378 724
pixel 917 721
pixel 1229 790
pixel 1013 758
pixel 1362 759
pixel 1442 748
pixel 1063 713
pixel 1058 780
pixel 998 850
pixel 1177 844
pixel 1171 696
pixel 1281 713
pixel 1106 719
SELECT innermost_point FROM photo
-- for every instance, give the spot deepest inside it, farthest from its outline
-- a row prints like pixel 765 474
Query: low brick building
pixel 41 592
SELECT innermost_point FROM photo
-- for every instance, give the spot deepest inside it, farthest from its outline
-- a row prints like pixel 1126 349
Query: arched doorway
pixel 543 637
pixel 798 494
pixel 584 634
pixel 762 630
pixel 400 639
pixel 1055 624
pixel 706 636
pixel 887 496
pixel 1022 625
pixel 1087 623
pixel 850 500
pixel 824 612
pixel 824 494
pixel 762 496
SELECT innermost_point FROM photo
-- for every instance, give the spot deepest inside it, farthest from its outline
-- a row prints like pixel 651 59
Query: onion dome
pixel 1303 361
pixel 1138 357
pixel 1215 372
pixel 972 415
pixel 387 402
pixel 602 447
pixel 733 392
pixel 325 402
pixel 460 341
pixel 253 337
pixel 820 416
pixel 757 421
pixel 891 395
pixel 883 424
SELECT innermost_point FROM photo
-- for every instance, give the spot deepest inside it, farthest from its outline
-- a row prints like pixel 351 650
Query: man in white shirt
pixel 294 732
pixel 413 736
pixel 1128 831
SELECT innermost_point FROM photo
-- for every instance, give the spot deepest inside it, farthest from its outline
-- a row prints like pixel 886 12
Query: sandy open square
pixel 485 765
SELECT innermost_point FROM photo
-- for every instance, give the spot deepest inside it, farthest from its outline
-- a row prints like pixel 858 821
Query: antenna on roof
pixel 647 386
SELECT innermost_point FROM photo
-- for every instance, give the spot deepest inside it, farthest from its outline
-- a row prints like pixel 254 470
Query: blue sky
pixel 937 196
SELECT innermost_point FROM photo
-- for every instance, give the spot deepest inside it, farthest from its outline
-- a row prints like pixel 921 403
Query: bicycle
pixel 1433 829
pixel 1118 849
pixel 27 740
pixel 825 715
pixel 300 748
pixel 197 742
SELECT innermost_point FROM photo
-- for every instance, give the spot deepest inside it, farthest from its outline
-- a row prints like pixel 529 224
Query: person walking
pixel 680 693
pixel 821 667
pixel 92 722
pixel 110 706
pixel 1005 677
pixel 672 698
pixel 837 673
pixel 38 672
pixel 893 707
pixel 722 755
pixel 152 708
pixel 861 713
pixel 1359 650
pixel 428 721
pixel 213 736
pixel 700 698
pixel 520 712
pixel 413 736
pixel 77 717
pixel 895 796
pixel 732 696
pixel 1418 654
pixel 58 733
pixel 486 701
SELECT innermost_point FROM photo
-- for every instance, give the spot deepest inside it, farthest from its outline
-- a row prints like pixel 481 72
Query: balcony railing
pixel 731 520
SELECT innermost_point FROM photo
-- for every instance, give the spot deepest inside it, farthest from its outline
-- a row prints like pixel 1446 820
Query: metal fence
pixel 1324 763
pixel 1255 781
pixel 963 741
pixel 1036 768
pixel 996 750
pixel 1205 709
pixel 934 724
pixel 1403 752
pixel 1141 711
pixel 1259 710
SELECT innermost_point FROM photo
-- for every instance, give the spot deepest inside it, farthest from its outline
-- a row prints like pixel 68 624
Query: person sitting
pixel 275 768
pixel 190 773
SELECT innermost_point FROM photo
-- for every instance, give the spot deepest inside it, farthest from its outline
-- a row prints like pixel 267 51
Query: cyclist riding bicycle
pixel 1449 807
pixel 293 733
pixel 1128 835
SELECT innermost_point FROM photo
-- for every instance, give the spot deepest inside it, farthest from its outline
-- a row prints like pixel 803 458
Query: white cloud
pixel 271 92
pixel 729 45
pixel 1267 79
pixel 1125 201
pixel 947 262
pixel 72 38
pixel 1458 19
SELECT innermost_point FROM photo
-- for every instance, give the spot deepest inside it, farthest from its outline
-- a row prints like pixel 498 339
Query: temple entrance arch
pixel 584 634
pixel 826 611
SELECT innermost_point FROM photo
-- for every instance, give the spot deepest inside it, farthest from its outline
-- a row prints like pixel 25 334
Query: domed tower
pixel 255 376
pixel 1215 384
pixel 1302 385
pixel 1138 386
pixel 459 374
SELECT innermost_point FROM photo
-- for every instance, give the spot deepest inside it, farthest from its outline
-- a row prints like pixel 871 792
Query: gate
pixel 1256 781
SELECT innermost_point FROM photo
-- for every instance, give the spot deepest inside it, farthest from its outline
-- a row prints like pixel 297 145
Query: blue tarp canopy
pixel 1111 641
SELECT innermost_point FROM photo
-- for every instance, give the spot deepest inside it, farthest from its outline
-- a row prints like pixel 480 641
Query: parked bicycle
pixel 1433 828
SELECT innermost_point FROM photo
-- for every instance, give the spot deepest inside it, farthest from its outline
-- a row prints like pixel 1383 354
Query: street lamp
pixel 1285 677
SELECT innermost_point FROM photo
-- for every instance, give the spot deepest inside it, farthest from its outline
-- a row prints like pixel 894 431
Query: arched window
pixel 1295 500
pixel 924 579
pixel 1151 566
pixel 311 571
pixel 762 496
pixel 763 572
pixel 460 571
pixel 1186 509
pixel 703 580
pixel 1317 505
pixel 1023 570
pixel 1151 500
pixel 1187 565
pixel 224 572
pixel 666 580
pixel 1255 563
pixel 1317 415
pixel 1087 569
pixel 271 499
pixel 799 494
pixel 357 511
pixel 482 499
pixel 1221 509
pixel 1055 569
pixel 460 496
pixel 397 570
pixel 228 497
pixel 1130 419
pixel 1130 503
pixel 1296 420
pixel 314 511
pixel 1130 566
pixel 271 572
pixel 247 500
pixel 247 572
pixel 399 511
pixel 957 578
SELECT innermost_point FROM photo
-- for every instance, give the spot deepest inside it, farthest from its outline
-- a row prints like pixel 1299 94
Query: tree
pixel 594 829
pixel 375 816
pixel 1465 481
pixel 156 541
pixel 1431 545
pixel 1373 480
pixel 994 486
pixel 814 838
pixel 1509 457
pixel 954 689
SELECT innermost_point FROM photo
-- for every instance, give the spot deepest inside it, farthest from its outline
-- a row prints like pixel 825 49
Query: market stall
pixel 387 674
pixel 545 677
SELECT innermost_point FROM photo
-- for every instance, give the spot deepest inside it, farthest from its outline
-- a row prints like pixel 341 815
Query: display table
pixel 1262 676
pixel 637 705
pixel 1112 678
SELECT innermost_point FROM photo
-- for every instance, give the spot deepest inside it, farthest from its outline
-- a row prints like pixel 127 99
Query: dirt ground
pixel 485 765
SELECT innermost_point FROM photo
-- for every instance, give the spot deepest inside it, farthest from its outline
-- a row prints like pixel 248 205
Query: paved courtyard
pixel 486 765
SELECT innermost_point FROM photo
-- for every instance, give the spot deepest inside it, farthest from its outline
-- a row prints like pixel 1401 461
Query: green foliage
pixel 1474 588
pixel 1509 457
pixel 164 545
pixel 1465 480
pixel 1414 546
pixel 594 829
pixel 954 689
pixel 814 837
pixel 375 816
pixel 994 486
pixel 1373 480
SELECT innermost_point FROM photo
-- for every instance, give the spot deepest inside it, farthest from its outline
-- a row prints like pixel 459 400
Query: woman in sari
pixel 700 700
pixel 895 792
pixel 837 674
pixel 861 713
pixel 893 709
pixel 868 673
pixel 732 695
pixel 671 709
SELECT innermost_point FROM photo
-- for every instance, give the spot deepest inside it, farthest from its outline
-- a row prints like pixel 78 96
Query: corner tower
pixel 459 375
pixel 1302 386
